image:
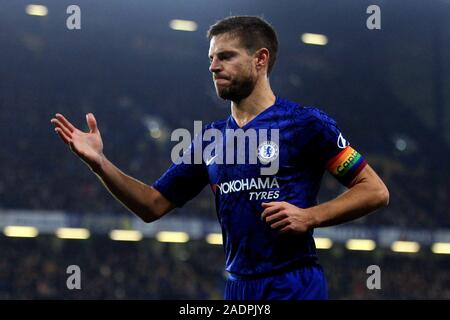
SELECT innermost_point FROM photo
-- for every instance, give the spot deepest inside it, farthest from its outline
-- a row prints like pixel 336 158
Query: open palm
pixel 87 145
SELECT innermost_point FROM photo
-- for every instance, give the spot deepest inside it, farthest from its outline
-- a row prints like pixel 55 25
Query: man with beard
pixel 267 221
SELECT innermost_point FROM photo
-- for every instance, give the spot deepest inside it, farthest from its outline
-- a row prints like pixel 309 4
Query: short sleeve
pixel 183 181
pixel 333 151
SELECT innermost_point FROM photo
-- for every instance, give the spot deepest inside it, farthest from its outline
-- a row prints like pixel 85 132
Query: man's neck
pixel 260 99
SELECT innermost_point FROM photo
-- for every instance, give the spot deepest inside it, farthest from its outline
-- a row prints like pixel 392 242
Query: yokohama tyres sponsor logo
pixel 247 184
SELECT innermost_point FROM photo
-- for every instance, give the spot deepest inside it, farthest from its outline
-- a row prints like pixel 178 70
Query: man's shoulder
pixel 217 124
pixel 304 113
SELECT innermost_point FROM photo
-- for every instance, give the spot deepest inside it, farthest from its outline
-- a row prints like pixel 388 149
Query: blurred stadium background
pixel 388 89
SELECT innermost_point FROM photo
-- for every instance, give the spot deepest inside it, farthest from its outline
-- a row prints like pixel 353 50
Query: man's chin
pixel 223 94
pixel 230 93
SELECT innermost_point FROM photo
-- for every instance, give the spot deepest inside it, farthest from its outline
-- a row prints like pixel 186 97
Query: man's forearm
pixel 356 202
pixel 138 197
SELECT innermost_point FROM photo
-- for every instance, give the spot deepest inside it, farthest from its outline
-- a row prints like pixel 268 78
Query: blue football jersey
pixel 308 143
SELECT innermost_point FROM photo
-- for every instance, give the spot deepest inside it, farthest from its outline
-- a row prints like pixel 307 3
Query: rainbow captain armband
pixel 346 165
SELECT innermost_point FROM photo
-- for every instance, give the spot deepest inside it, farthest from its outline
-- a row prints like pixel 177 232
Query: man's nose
pixel 215 66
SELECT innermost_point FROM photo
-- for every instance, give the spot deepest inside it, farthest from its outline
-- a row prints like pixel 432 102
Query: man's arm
pixel 145 201
pixel 366 193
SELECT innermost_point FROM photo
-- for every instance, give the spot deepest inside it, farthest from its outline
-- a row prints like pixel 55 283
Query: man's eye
pixel 226 56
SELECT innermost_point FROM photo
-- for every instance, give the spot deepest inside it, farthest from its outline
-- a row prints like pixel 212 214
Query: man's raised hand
pixel 87 145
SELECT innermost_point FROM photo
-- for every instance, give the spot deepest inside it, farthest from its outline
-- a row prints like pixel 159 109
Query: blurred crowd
pixel 141 87
pixel 41 173
pixel 37 269
pixel 402 276
pixel 387 90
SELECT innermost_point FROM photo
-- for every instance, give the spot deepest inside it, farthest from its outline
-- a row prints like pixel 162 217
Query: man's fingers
pixel 287 229
pixel 276 217
pixel 269 204
pixel 64 129
pixel 269 211
pixel 65 122
pixel 92 123
pixel 280 224
pixel 62 135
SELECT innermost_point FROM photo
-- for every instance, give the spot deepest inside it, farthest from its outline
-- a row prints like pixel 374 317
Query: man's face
pixel 233 69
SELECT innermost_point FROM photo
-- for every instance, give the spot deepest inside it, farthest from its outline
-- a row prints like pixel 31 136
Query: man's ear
pixel 262 58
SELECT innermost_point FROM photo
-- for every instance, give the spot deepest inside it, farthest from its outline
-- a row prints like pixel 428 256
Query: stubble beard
pixel 238 88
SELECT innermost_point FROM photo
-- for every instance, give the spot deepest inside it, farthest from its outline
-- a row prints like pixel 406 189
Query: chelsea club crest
pixel 267 151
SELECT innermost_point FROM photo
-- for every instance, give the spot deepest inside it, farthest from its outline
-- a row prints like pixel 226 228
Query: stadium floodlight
pixel 214 238
pixel 125 235
pixel 360 244
pixel 183 25
pixel 36 10
pixel 323 243
pixel 21 231
pixel 441 248
pixel 405 246
pixel 172 236
pixel 315 39
pixel 73 233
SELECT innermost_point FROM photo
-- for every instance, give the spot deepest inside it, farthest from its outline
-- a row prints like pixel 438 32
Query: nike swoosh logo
pixel 208 162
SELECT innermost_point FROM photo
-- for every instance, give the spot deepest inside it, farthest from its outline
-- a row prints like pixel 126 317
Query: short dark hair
pixel 254 33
